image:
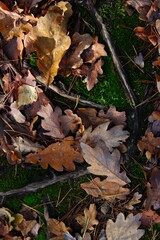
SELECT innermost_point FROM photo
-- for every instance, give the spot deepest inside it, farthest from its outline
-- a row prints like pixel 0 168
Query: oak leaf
pixel 92 74
pixel 112 137
pixel 104 163
pixel 153 190
pixel 105 189
pixel 57 228
pixel 51 121
pixel 59 155
pixel 118 118
pixel 71 123
pixel 88 220
pixel 95 51
pixel 124 228
pixel 15 112
pixel 149 218
pixel 50 39
pixel 133 201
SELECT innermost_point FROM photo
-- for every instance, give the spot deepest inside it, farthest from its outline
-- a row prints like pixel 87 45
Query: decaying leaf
pixel 50 39
pixel 104 163
pixel 57 228
pixel 71 123
pixel 59 155
pixel 133 201
pixel 26 95
pixel 153 190
pixel 112 137
pixel 149 218
pixel 6 220
pixel 105 189
pixel 51 121
pixel 124 228
pixel 15 112
pixel 24 145
pixel 88 220
pixel 92 74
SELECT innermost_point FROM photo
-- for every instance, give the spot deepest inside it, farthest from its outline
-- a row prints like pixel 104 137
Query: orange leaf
pixel 58 155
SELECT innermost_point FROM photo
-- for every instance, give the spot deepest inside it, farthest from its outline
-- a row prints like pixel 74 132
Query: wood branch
pixel 36 186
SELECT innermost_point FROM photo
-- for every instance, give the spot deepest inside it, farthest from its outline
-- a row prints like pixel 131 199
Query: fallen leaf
pixel 92 74
pixel 149 218
pixel 14 25
pixel 70 123
pixel 50 39
pixel 95 51
pixel 51 121
pixel 73 57
pixel 59 155
pixel 24 145
pixel 89 116
pixel 118 118
pixel 139 60
pixel 15 112
pixel 133 201
pixel 153 190
pixel 88 220
pixel 56 227
pixel 26 95
pixel 124 228
pixel 105 189
pixel 104 163
pixel 112 137
pixel 6 220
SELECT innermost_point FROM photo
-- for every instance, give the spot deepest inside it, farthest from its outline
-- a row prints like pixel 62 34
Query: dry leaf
pixel 18 116
pixel 124 228
pixel 57 228
pixel 118 118
pixel 133 201
pixel 73 57
pixel 51 121
pixel 70 123
pixel 105 189
pixel 14 25
pixel 149 218
pixel 104 163
pixel 24 145
pixel 26 95
pixel 92 74
pixel 88 220
pixel 50 39
pixel 112 137
pixel 90 117
pixel 153 190
pixel 95 51
pixel 59 155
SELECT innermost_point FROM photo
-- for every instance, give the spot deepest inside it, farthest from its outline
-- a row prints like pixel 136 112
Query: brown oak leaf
pixel 149 218
pixel 59 155
pixel 51 121
pixel 95 51
pixel 104 163
pixel 112 137
pixel 88 220
pixel 153 190
pixel 57 228
pixel 71 123
pixel 124 228
pixel 133 201
pixel 105 189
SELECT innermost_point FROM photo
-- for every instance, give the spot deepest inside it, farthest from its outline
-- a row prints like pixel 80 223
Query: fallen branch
pixel 36 186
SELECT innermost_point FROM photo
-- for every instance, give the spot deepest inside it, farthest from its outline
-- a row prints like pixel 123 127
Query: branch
pixel 36 186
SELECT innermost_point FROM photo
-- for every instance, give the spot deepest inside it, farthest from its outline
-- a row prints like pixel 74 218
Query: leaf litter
pixel 35 130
